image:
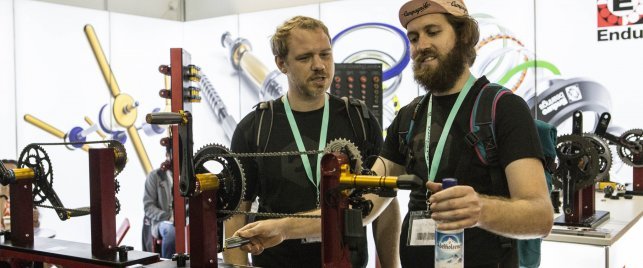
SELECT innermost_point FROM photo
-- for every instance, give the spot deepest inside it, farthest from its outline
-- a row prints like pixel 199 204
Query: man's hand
pixel 455 208
pixel 235 255
pixel 262 234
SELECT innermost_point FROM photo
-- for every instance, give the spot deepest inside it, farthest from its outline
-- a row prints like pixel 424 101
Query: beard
pixel 446 72
pixel 311 91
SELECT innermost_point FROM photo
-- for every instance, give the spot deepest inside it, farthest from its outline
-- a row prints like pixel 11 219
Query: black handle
pixel 409 182
pixel 164 118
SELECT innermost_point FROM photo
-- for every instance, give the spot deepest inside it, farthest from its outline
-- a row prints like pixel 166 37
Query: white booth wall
pixel 7 82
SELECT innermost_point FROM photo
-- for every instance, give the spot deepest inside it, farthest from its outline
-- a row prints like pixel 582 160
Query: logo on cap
pixel 461 7
pixel 417 10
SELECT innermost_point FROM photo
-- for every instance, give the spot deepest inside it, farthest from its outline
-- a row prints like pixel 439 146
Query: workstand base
pixel 69 254
pixel 590 222
pixel 172 264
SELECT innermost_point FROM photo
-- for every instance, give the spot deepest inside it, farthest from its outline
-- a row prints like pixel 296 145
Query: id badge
pixel 421 229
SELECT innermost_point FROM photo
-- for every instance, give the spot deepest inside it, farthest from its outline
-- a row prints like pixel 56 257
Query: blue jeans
pixel 166 230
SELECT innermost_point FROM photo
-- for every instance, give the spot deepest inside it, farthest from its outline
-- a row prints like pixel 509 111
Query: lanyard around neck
pixel 300 144
pixel 433 170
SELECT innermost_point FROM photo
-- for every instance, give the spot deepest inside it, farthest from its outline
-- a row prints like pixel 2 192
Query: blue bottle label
pixel 449 251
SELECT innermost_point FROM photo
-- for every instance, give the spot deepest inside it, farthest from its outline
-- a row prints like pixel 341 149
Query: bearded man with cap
pixel 443 38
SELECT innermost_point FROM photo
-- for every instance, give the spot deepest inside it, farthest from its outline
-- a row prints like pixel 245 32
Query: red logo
pixel 619 12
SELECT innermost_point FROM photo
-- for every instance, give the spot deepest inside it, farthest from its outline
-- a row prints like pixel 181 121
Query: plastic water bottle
pixel 449 245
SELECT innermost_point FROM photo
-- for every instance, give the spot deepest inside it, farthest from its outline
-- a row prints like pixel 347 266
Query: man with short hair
pixel 304 119
pixel 443 38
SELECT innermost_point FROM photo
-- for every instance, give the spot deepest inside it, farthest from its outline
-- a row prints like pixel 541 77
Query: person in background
pixel 4 195
pixel 302 50
pixel 443 38
pixel 157 202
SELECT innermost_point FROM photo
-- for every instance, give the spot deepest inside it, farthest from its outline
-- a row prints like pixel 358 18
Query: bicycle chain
pixel 237 155
pixel 72 143
pixel 269 154
pixel 338 142
pixel 269 214
pixel 63 208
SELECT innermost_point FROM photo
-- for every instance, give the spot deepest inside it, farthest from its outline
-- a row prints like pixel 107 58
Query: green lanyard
pixel 300 144
pixel 445 132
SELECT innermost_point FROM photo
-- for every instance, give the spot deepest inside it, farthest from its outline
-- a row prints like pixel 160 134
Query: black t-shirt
pixel 281 183
pixel 516 138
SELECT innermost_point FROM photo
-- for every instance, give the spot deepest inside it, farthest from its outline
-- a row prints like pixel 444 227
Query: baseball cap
pixel 417 8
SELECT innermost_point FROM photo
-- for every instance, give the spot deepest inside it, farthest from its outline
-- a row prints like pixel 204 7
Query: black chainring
pixel 232 183
pixel 628 156
pixel 34 157
pixel 604 154
pixel 118 205
pixel 577 158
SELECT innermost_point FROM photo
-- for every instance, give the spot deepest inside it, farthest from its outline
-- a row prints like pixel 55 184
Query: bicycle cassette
pixel 347 147
pixel 578 162
pixel 633 157
pixel 232 183
pixel 120 156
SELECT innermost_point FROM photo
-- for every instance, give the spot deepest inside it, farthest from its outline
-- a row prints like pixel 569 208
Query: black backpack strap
pixel 482 123
pixel 263 124
pixel 405 136
pixel 483 140
pixel 420 104
pixel 362 130
pixel 354 106
pixel 482 134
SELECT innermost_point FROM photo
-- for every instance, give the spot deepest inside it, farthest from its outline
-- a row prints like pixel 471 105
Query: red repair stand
pixel 335 253
pixel 196 240
pixel 22 246
pixel 637 176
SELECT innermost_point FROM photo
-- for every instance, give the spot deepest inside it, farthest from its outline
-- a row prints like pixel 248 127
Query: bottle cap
pixel 448 182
